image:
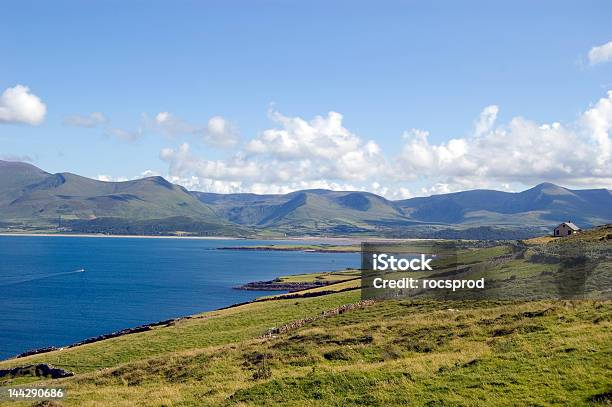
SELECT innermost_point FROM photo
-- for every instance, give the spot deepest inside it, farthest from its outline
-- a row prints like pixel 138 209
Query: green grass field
pixel 389 353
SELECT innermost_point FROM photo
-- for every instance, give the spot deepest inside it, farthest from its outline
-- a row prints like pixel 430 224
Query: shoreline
pixel 350 248
pixel 100 235
pixel 278 285
pixel 336 239
pixel 171 321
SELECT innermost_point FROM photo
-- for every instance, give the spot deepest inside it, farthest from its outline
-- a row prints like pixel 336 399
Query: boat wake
pixel 26 279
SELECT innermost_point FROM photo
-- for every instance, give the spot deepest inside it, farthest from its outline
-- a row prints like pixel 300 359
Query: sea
pixel 58 290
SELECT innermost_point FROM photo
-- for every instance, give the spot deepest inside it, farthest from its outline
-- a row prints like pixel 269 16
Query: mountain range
pixel 32 199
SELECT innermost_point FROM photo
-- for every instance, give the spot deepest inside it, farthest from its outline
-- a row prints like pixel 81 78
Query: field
pixel 310 352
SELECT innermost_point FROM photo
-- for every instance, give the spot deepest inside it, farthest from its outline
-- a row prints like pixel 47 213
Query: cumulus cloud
pixel 148 173
pixel 182 163
pixel 486 120
pixel 323 141
pixel 218 132
pixel 521 151
pixel 601 53
pixel 91 120
pixel 597 123
pixel 322 153
pixel 19 106
pixel 168 124
pixel 322 137
pixel 296 154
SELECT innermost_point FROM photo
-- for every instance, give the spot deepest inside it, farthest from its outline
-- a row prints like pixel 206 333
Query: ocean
pixel 46 300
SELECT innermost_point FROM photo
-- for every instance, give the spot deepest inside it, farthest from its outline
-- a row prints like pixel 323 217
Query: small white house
pixel 566 229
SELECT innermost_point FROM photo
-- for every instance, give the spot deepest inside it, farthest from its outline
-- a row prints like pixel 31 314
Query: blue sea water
pixel 45 301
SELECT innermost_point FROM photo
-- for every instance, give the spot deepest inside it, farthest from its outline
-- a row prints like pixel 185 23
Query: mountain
pixel 542 206
pixel 545 204
pixel 32 198
pixel 307 211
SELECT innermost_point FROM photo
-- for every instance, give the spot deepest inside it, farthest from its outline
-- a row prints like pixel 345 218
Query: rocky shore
pixel 39 370
pixel 278 285
pixel 127 331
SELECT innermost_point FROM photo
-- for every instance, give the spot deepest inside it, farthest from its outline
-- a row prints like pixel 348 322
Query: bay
pixel 45 300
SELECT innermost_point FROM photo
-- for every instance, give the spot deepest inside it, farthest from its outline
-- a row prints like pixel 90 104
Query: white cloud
pixel 109 178
pixel 148 173
pixel 16 157
pixel 125 135
pixel 19 105
pixel 218 132
pixel 91 120
pixel 521 151
pixel 183 163
pixel 600 54
pixel 597 122
pixel 322 137
pixel 486 120
pixel 297 154
pixel 168 124
pixel 322 153
pixel 221 133
pixel 162 117
pixel 323 141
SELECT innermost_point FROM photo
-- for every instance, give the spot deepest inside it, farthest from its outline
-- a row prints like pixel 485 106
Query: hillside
pixel 35 198
pixel 392 353
pixel 543 204
pixel 335 349
pixel 32 199
pixel 463 214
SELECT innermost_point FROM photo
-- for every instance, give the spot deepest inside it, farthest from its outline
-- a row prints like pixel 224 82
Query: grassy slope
pixel 327 207
pixel 390 353
pixel 336 276
pixel 79 197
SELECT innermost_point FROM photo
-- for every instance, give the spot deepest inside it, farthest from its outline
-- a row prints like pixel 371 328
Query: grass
pixel 204 330
pixel 390 353
pixel 335 276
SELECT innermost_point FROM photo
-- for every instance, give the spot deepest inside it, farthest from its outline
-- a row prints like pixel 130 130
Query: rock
pixel 39 370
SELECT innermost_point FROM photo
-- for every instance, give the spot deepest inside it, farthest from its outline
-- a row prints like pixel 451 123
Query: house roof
pixel 570 225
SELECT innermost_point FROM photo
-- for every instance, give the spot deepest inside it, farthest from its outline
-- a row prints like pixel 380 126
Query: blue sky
pixel 264 70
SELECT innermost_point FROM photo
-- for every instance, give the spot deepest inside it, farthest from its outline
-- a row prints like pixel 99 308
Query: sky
pixel 399 98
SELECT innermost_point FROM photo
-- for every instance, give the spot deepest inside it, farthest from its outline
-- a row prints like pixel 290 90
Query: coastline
pixel 302 292
pixel 331 239
pixel 99 235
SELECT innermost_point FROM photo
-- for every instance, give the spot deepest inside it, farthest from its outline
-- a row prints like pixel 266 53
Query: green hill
pixel 478 214
pixel 31 199
pixel 544 204
pixel 36 198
